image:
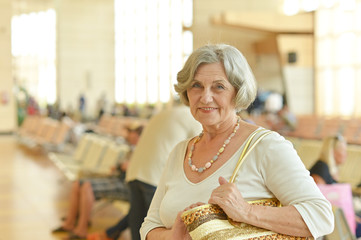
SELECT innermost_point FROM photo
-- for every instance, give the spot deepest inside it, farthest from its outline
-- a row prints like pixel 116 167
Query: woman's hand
pixel 228 197
pixel 179 230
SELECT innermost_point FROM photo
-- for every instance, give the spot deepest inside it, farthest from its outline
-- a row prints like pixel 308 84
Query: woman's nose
pixel 207 96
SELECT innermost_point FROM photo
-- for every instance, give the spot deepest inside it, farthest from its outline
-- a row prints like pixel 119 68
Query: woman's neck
pixel 221 129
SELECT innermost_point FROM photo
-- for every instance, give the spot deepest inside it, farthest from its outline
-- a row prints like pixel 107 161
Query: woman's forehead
pixel 210 70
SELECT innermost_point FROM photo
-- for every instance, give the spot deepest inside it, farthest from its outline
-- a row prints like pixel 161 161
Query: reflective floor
pixel 34 196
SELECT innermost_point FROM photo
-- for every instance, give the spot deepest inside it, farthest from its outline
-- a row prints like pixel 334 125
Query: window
pixel 338 61
pixel 34 54
pixel 150 48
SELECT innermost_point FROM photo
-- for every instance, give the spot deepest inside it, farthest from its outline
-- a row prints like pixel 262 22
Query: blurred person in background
pixel 333 154
pixel 85 192
pixel 163 131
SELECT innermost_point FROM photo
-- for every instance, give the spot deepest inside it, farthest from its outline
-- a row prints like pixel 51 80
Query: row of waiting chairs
pixel 94 155
pixel 313 127
pixel 43 131
pixel 114 126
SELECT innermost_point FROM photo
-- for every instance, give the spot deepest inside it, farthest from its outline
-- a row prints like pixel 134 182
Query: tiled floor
pixel 34 195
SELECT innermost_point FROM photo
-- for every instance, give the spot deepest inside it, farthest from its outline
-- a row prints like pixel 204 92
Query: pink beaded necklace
pixel 220 151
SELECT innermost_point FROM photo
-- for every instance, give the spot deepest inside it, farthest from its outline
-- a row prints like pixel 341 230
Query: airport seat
pixel 342 229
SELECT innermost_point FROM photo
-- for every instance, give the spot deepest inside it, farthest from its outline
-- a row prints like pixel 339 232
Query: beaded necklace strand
pixel 220 151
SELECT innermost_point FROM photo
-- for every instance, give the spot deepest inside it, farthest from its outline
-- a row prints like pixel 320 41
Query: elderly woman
pixel 216 82
pixel 333 153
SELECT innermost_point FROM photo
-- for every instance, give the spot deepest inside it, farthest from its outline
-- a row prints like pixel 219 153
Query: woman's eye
pixel 196 85
pixel 220 87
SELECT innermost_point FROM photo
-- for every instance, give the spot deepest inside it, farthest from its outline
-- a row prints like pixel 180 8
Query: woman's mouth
pixel 207 108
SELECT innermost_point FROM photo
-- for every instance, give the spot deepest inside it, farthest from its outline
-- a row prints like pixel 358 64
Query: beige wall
pixel 298 76
pixel 85 52
pixel 205 31
pixel 7 100
pixel 301 44
pixel 268 62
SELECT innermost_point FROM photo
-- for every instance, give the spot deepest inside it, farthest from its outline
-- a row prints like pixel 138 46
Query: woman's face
pixel 211 95
pixel 340 152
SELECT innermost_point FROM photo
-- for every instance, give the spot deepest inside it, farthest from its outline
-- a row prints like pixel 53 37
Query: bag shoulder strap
pixel 247 149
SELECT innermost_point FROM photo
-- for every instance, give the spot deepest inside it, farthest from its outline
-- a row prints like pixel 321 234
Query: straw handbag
pixel 210 222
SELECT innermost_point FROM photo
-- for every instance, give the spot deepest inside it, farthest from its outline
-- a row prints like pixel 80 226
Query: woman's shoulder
pixel 267 135
pixel 180 148
pixel 262 136
pixel 183 143
pixel 274 144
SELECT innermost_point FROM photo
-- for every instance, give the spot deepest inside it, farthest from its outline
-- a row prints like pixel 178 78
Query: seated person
pixel 325 170
pixel 333 154
pixel 85 191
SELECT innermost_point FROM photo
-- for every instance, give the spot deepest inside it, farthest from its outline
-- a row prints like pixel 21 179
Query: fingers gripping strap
pixel 247 149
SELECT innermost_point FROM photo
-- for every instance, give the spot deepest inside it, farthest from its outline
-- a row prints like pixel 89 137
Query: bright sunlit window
pixel 34 52
pixel 150 48
pixel 338 61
